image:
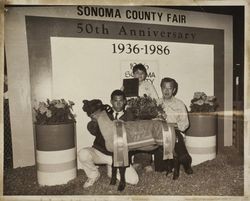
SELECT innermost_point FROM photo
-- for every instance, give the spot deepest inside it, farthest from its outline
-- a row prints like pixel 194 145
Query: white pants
pixel 90 156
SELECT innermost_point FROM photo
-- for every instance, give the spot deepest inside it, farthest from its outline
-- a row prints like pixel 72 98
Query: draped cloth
pixel 120 146
pixel 141 134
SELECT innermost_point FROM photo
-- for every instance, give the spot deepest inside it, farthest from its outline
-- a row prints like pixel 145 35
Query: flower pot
pixel 201 137
pixel 55 154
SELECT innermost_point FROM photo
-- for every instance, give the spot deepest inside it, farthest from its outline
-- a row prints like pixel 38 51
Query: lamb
pixel 122 137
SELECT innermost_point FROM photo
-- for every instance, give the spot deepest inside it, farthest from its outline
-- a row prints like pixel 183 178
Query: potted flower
pixel 202 133
pixel 144 108
pixel 201 103
pixel 55 142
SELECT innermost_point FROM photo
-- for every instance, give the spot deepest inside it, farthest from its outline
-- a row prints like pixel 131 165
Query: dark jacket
pixel 99 142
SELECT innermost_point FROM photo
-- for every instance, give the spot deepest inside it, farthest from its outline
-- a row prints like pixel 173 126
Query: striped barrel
pixel 201 137
pixel 55 154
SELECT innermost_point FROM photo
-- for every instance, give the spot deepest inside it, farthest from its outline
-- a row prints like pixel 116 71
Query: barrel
pixel 55 154
pixel 201 137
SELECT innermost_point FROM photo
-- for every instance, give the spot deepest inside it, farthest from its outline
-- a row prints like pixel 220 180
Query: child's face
pixel 118 103
pixel 140 75
pixel 167 90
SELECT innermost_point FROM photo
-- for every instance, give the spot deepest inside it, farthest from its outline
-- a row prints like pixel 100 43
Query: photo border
pixel 149 3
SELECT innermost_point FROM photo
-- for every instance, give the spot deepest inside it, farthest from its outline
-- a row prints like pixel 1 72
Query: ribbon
pixel 120 145
pixel 168 134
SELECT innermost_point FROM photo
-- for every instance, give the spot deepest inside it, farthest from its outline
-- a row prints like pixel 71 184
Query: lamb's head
pixel 92 106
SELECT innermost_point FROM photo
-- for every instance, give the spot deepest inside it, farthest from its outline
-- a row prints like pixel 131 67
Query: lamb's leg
pixel 122 183
pixel 183 156
pixel 130 156
pixel 176 168
pixel 113 175
pixel 160 164
pixel 169 166
pixel 186 161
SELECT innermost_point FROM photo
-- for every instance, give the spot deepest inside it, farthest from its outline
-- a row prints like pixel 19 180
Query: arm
pixel 182 118
pixel 152 91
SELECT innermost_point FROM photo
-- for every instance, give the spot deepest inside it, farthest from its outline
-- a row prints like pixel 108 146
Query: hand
pixel 162 116
pixel 118 120
pixel 159 118
pixel 107 108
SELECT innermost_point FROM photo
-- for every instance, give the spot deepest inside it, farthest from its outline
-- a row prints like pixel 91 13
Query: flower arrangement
pixel 144 108
pixel 54 112
pixel 203 103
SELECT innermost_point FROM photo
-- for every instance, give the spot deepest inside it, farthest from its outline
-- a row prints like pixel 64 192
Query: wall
pixel 104 75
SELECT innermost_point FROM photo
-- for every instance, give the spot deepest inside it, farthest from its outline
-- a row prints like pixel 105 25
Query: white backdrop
pixel 86 68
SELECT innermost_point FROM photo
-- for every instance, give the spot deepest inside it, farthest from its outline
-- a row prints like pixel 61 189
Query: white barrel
pixel 56 167
pixel 201 149
pixel 56 160
pixel 201 137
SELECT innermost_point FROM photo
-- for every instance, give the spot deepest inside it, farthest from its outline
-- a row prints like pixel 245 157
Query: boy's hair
pixel 171 80
pixel 118 92
pixel 140 67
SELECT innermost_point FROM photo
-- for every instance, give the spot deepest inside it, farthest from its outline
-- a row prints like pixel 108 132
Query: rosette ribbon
pixel 168 141
pixel 120 145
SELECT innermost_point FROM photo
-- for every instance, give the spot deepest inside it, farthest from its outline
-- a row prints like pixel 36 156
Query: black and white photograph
pixel 125 101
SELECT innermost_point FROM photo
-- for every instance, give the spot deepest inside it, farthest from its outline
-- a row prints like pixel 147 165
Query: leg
pixel 122 183
pixel 186 161
pixel 169 166
pixel 130 156
pixel 87 159
pixel 131 175
pixel 113 175
pixel 176 168
pixel 182 154
pixel 160 164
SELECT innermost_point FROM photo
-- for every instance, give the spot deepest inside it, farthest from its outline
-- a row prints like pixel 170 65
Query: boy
pixel 98 154
pixel 145 88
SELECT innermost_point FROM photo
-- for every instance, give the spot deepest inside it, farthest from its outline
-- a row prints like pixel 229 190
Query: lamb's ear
pixel 85 103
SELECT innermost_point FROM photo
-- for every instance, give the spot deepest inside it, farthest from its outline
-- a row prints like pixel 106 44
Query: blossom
pixel 42 107
pixel 197 95
pixel 71 102
pixel 48 113
pixel 211 98
pixel 204 96
pixel 54 102
pixel 203 103
pixel 54 112
pixel 59 105
pixel 211 103
pixel 144 107
pixel 199 102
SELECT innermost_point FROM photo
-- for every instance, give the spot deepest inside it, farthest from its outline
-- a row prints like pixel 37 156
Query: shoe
pixel 91 181
pixel 148 168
